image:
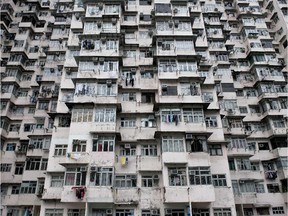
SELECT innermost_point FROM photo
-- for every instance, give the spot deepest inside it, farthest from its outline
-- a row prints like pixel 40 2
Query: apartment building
pixel 144 107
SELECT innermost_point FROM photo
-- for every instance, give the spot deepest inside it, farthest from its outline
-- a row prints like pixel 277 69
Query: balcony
pixel 52 194
pixel 147 163
pixel 246 174
pixel 202 193
pixel 69 194
pixel 176 194
pixel 175 157
pixel 279 152
pixel 182 126
pixel 126 196
pixel 179 99
pixel 96 99
pixel 75 158
pixel 245 198
pixel 99 195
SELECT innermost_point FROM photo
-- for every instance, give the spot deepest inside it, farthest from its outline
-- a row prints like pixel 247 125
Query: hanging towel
pixel 75 156
pixel 123 161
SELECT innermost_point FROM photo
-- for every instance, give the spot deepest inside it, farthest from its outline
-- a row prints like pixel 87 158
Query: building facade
pixel 144 107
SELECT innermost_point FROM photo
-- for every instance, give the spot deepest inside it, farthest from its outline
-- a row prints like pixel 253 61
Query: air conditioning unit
pixel 241 182
pixel 101 59
pixel 142 70
pixel 76 142
pixel 189 136
pixel 109 212
pixel 99 24
pixel 83 169
pixel 127 146
pixel 170 23
pixel 133 70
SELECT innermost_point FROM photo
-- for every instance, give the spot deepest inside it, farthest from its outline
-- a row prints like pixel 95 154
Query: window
pixel 103 176
pixel 278 210
pixel 174 212
pixel 103 144
pixel 60 150
pixel 169 90
pixel 215 150
pixel 273 188
pixel 211 121
pixel 28 187
pixel 44 164
pixel 171 115
pixel 127 150
pixel 33 163
pixel 259 188
pixel 263 146
pixel 147 75
pixel 263 211
pixel 57 180
pixel 219 180
pixel 82 115
pixel 5 167
pixel 101 212
pixel 222 212
pixel 125 212
pixel 125 181
pixel 75 176
pixel 81 147
pixel 200 212
pixel 243 109
pixel 238 143
pixel 29 127
pixel 106 90
pixel 243 164
pixel 278 123
pixel 19 167
pixel 247 186
pixel 105 115
pixel 54 212
pixel 76 212
pixel 231 164
pixel 177 176
pixel 15 189
pixel 282 162
pixel 248 211
pixel 149 150
pixel 188 89
pixel 64 121
pixel 10 146
pixel 150 181
pixel 194 115
pixel 131 96
pixel 199 176
pixel 38 142
pixel 154 212
pixel 143 2
pixel 128 122
pixel 172 144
